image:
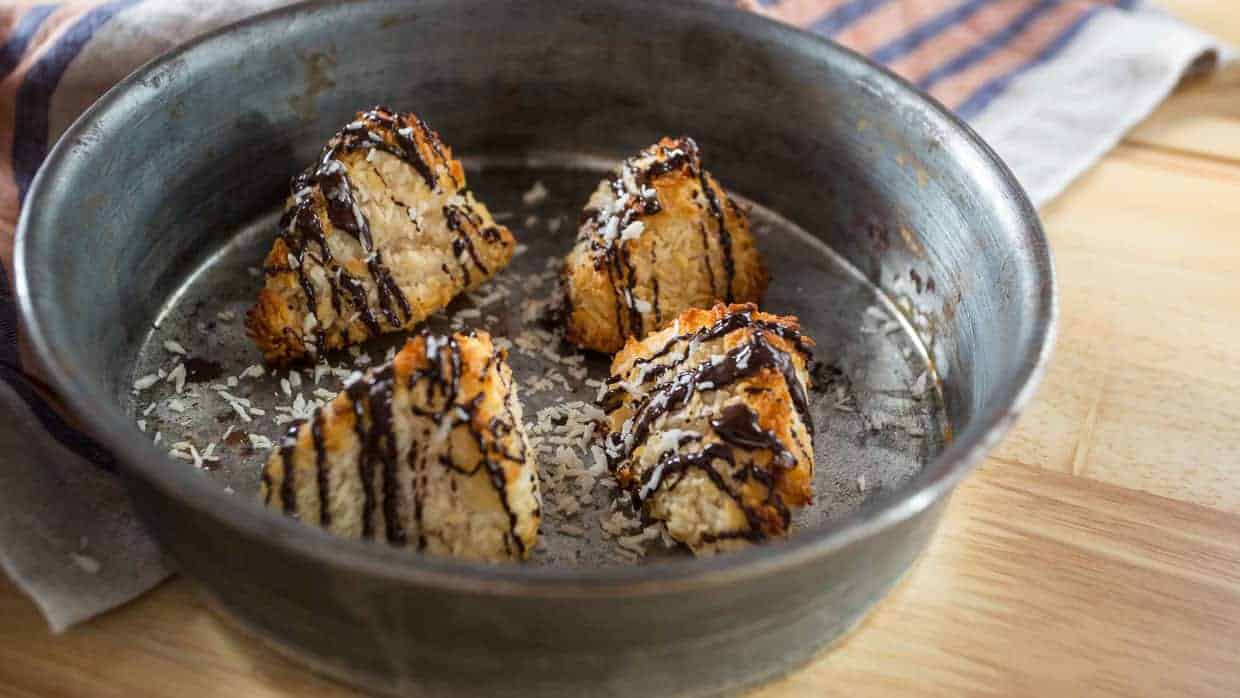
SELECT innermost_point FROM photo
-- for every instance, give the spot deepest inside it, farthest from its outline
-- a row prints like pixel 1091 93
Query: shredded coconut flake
pixel 536 194
pixel 632 231
pixel 146 381
pixel 86 563
pixel 240 410
pixel 573 530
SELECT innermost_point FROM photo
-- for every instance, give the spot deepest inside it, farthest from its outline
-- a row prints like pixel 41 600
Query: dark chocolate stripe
pixel 463 242
pixel 726 325
pixel 389 290
pixel 710 268
pixel 654 283
pixel 725 237
pixel 345 214
pixel 374 424
pixel 320 469
pixel 679 464
pixel 739 363
pixel 360 135
pixel 377 129
pixel 288 448
pixel 410 145
pixel 448 383
pixel 365 469
pixel 382 442
pixel 737 424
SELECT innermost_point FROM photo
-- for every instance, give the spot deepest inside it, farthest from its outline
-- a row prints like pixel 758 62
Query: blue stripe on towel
pixel 34 95
pixel 30 143
pixel 55 425
pixel 984 95
pixel 844 15
pixel 906 44
pixel 14 47
pixel 997 41
pixel 11 373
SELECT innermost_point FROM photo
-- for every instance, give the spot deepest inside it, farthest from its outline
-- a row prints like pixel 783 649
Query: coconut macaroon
pixel 657 237
pixel 377 234
pixel 427 451
pixel 709 427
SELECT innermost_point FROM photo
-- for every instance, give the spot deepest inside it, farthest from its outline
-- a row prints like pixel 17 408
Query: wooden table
pixel 1097 552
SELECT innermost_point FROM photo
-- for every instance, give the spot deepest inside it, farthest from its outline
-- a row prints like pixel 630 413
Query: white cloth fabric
pixel 1056 121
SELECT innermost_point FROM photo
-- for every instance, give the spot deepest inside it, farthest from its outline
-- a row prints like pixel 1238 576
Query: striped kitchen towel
pixel 1051 84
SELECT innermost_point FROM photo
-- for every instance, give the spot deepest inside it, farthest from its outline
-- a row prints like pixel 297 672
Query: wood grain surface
pixel 1096 553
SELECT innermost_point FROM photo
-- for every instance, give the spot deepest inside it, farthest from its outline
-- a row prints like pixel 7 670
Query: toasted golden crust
pixel 428 451
pixel 709 427
pixel 377 235
pixel 658 237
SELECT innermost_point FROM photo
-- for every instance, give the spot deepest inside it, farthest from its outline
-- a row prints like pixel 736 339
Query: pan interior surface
pixel 878 415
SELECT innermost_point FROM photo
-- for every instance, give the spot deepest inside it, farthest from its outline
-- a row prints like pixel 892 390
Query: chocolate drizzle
pixel 730 323
pixel 369 397
pixel 446 382
pixel 463 242
pixel 372 401
pixel 674 463
pixel 381 444
pixel 654 284
pixel 725 236
pixel 288 484
pixel 738 425
pixel 635 196
pixel 320 455
pixel 741 362
pixel 327 182
pixel 673 466
pixel 710 269
pixel 345 214
pixel 365 467
pixel 360 135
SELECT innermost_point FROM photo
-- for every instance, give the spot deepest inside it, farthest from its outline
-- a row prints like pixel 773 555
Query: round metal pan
pixel 869 200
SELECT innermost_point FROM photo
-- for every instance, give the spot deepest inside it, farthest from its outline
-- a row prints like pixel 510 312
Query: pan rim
pixel 141 459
